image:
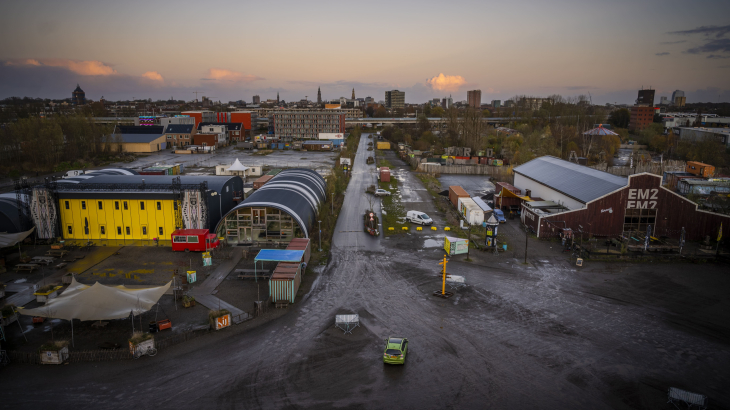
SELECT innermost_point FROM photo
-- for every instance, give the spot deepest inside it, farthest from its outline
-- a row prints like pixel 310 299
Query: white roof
pixel 237 166
pixel 98 302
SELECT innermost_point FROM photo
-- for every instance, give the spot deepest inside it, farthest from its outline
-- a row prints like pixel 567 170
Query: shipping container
pixel 497 162
pixel 284 282
pixel 317 145
pixel 383 145
pixel 456 192
pixel 274 172
pixel 472 213
pixel 262 181
pixel 384 174
pixel 455 246
pixel 301 244
pixel 699 168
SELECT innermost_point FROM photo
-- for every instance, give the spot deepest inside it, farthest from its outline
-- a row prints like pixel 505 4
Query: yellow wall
pixel 108 216
pixel 143 146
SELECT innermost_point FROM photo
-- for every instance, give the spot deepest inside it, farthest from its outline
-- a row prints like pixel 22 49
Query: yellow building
pixel 124 208
pixel 140 142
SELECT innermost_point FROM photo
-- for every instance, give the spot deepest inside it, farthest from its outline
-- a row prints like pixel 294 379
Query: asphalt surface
pixel 543 335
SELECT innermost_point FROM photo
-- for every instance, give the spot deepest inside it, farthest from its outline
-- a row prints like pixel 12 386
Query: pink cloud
pixel 222 74
pixel 90 67
pixel 447 82
pixel 153 75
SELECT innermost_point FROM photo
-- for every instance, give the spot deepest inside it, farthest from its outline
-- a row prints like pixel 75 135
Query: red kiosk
pixel 199 240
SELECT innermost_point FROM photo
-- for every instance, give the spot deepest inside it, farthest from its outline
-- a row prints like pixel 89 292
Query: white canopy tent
pixel 99 302
pixel 239 169
pixel 12 239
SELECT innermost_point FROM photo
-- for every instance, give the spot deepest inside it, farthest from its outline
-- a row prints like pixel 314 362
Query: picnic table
pixel 27 267
pixel 252 273
pixel 60 253
pixel 46 260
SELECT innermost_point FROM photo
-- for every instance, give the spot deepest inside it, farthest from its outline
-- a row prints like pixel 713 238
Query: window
pixel 161 231
pixel 125 206
pixel 159 205
pixel 100 207
pixel 639 219
pixel 116 205
pixel 179 238
pixel 192 239
pixel 128 231
pixel 66 204
pixel 174 205
pixel 119 230
pixel 70 230
pixel 86 230
pixel 144 230
pixel 141 205
pixel 102 230
pixel 83 204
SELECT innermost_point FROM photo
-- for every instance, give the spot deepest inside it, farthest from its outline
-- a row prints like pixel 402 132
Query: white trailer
pixel 472 212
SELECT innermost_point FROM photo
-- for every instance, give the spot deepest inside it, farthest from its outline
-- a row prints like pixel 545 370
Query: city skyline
pixel 121 53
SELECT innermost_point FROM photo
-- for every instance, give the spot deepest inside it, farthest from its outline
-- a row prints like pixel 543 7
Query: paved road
pixel 537 336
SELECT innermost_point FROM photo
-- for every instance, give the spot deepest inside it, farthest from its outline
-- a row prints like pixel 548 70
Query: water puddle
pixel 432 243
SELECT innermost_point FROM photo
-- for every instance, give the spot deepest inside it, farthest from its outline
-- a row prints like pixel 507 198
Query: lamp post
pixel 320 236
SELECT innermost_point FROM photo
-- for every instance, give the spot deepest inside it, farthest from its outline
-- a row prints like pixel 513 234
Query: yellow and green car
pixel 395 350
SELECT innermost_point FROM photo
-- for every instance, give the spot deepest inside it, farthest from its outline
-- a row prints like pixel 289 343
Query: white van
pixel 418 218
pixel 73 173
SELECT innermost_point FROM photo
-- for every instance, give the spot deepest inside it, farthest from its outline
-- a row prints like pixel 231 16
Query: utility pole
pixel 320 236
pixel 526 237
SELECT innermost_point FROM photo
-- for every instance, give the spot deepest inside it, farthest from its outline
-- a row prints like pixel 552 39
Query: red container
pixel 385 174
pixel 262 181
pixel 300 244
pixel 198 240
pixel 456 192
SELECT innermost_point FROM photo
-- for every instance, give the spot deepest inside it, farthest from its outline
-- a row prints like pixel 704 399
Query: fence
pixel 78 356
pixel 650 167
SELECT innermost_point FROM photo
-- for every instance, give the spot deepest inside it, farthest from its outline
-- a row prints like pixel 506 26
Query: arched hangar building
pixel 285 208
pixel 140 207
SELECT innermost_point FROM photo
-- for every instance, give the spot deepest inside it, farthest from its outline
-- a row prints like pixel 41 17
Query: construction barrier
pixel 419 229
pixel 433 228
pixel 391 228
pixel 447 228
pixel 405 228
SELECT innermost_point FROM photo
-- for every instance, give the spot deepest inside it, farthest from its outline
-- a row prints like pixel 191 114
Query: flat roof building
pixel 289 125
pixel 395 99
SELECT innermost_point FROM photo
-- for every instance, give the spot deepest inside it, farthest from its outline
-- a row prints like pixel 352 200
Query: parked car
pixel 418 218
pixel 500 216
pixel 395 350
pixel 73 173
pixel 381 192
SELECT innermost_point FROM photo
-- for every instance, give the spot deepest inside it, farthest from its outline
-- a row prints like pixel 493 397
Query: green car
pixel 395 350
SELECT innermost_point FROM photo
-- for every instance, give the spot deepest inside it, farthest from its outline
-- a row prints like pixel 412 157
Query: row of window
pixel 116 205
pixel 102 230
pixel 178 137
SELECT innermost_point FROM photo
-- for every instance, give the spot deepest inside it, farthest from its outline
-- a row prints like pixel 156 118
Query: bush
pixel 7 310
pixel 214 314
pixel 139 337
pixel 54 346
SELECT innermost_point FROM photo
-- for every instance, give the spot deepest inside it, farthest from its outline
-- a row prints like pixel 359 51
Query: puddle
pixel 432 243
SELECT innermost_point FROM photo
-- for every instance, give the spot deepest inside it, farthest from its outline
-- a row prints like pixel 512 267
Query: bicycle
pixel 151 351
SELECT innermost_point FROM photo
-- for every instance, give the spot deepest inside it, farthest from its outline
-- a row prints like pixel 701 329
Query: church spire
pixel 319 95
pixel 353 93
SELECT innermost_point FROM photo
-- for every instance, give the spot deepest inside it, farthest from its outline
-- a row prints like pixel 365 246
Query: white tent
pixel 12 239
pixel 98 302
pixel 239 169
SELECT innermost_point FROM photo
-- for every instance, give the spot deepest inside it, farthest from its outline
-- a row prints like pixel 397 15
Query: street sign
pixel 222 322
pixel 192 276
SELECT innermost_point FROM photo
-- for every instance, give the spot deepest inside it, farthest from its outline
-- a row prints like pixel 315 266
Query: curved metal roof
pixel 216 183
pixel 298 192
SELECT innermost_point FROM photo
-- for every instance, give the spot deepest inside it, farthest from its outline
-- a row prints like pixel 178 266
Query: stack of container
pixel 300 244
pixel 176 169
pixel 262 181
pixel 456 192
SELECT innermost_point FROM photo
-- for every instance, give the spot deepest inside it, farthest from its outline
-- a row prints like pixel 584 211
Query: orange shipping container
pixel 698 168
pixel 456 192
pixel 262 181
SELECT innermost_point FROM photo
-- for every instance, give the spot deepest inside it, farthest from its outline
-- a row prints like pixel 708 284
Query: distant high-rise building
pixel 641 117
pixel 663 101
pixel 446 103
pixel 353 93
pixel 319 95
pixel 277 97
pixel 646 98
pixel 474 98
pixel 256 99
pixel 395 99
pixel 78 97
pixel 496 103
pixel 678 98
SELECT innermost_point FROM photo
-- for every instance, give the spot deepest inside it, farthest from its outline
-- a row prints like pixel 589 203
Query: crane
pixel 196 94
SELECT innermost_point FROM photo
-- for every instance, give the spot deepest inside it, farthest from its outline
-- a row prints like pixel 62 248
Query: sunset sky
pixel 231 50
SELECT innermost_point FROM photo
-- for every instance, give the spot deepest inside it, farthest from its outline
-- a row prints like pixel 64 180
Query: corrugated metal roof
pixel 576 181
pixel 480 202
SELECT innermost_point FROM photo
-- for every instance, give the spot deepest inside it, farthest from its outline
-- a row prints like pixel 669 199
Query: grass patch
pixel 393 211
pixel 433 186
pixel 54 346
pixel 139 337
pixel 263 152
pixel 382 162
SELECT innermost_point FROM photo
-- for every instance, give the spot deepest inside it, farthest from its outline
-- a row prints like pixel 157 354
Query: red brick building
pixel 640 118
pixel 206 140
pixel 179 135
pixel 236 131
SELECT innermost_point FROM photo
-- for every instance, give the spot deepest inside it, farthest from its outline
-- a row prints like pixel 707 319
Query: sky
pixel 232 50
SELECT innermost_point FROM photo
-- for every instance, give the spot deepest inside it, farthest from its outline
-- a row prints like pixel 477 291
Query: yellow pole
pixel 443 286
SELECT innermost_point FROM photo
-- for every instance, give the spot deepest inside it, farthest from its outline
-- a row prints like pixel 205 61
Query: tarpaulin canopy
pixel 506 193
pixel 237 166
pixel 599 131
pixel 98 302
pixel 12 239
pixel 276 255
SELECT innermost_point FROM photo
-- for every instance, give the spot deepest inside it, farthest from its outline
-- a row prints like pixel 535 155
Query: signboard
pixel 331 136
pixel 222 322
pixel 345 161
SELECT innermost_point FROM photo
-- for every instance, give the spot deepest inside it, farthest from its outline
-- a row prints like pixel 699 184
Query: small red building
pixel 197 240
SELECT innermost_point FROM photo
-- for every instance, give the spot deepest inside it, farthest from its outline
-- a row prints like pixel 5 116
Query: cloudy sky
pixel 231 50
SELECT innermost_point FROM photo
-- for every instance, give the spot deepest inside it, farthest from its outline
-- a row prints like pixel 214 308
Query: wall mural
pixel 194 210
pixel 43 212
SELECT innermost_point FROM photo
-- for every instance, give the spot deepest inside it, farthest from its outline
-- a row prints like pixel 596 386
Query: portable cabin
pixel 699 168
pixel 456 192
pixel 384 174
pixel 284 282
pixel 455 246
pixel 472 213
pixel 197 240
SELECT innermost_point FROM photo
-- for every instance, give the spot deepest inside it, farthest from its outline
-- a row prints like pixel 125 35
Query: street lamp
pixel 320 236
